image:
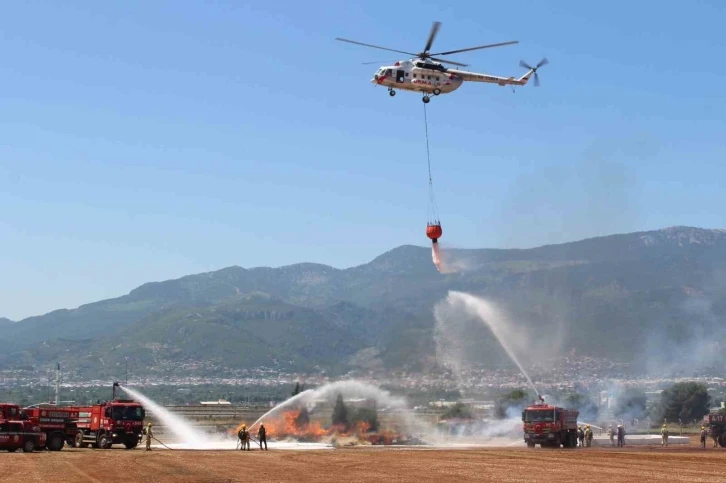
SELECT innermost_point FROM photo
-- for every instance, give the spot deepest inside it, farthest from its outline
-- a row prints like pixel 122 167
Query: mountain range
pixel 638 298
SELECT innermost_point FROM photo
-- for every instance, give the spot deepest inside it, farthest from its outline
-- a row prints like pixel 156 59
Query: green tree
pixel 514 400
pixel 340 412
pixel 298 389
pixel 630 404
pixel 303 418
pixel 685 401
pixel 458 411
pixel 366 415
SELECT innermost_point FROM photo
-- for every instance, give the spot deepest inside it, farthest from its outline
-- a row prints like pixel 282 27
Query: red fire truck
pixel 716 423
pixel 20 434
pixel 119 421
pixel 549 426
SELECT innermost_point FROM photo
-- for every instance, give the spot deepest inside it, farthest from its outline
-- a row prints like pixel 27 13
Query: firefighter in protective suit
pixel 262 436
pixel 621 436
pixel 588 436
pixel 581 436
pixel 244 438
pixel 149 435
pixel 703 437
pixel 664 436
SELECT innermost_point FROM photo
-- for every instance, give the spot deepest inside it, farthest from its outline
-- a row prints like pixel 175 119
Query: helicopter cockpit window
pixel 389 72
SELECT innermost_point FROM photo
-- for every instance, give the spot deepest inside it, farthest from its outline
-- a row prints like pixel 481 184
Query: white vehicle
pixel 425 73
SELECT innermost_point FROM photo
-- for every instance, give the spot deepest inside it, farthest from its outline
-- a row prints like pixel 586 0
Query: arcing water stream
pixel 487 313
pixel 181 428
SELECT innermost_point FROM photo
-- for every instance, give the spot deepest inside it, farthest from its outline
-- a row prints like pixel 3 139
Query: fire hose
pixel 165 446
pixel 253 439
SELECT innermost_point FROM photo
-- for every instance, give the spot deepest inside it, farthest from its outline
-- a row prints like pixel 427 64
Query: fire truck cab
pixel 10 411
pixel 112 422
pixel 549 426
pixel 15 435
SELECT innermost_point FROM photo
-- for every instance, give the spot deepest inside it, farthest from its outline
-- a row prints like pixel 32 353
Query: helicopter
pixel 425 73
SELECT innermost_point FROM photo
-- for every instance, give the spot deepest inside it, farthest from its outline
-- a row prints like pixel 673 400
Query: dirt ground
pixel 686 463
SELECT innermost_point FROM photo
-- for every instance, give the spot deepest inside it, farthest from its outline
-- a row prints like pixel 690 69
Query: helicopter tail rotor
pixel 542 62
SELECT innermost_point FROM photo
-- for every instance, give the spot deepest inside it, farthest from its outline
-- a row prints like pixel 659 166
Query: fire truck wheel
pixel 131 443
pixel 722 440
pixel 530 445
pixel 103 442
pixel 12 450
pixel 28 446
pixel 55 442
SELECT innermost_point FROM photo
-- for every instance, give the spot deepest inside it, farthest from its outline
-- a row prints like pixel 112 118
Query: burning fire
pixel 288 425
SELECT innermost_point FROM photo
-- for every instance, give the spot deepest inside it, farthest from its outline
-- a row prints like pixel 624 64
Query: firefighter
pixel 588 436
pixel 621 436
pixel 703 437
pixel 149 435
pixel 611 433
pixel 244 438
pixel 664 436
pixel 581 436
pixel 262 436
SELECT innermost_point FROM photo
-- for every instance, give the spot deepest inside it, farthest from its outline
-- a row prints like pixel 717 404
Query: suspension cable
pixel 433 216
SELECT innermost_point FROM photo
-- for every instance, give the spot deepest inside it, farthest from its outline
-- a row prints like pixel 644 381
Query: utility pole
pixel 57 382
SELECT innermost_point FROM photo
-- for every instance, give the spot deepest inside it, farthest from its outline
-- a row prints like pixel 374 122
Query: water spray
pixel 488 314
pixel 181 428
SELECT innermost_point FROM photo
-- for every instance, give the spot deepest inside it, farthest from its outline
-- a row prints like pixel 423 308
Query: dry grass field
pixel 683 463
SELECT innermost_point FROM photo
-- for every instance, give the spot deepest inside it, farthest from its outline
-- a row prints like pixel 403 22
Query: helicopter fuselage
pixel 417 76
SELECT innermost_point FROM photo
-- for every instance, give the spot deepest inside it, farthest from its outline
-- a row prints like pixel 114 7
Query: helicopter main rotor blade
pixel 380 62
pixel 449 62
pixel 375 46
pixel 434 30
pixel 477 48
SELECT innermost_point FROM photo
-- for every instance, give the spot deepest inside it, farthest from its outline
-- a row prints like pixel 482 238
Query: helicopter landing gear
pixel 437 91
pixel 426 99
pixel 391 92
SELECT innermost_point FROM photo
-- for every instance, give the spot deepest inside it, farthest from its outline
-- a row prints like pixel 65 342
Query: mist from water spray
pixel 488 314
pixel 179 427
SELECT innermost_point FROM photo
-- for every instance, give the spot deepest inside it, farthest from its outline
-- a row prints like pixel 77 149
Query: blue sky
pixel 143 141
